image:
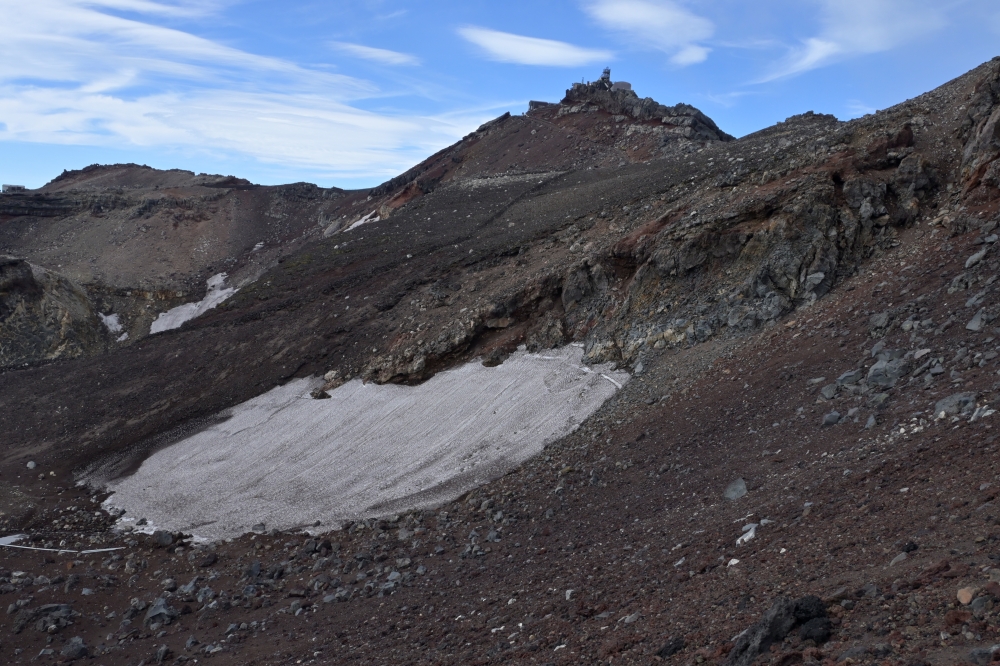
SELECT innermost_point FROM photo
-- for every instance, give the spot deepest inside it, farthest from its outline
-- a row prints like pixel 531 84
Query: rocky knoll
pixel 681 120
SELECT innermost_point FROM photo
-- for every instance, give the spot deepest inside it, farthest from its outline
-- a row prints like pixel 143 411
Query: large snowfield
pixel 287 460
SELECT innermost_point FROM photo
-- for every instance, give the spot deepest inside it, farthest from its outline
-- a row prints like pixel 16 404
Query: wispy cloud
pixel 298 130
pixel 521 50
pixel 102 73
pixel 858 27
pixel 857 108
pixel 381 56
pixel 726 99
pixel 659 24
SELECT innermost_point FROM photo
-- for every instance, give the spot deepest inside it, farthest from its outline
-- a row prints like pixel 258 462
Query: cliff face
pixel 45 316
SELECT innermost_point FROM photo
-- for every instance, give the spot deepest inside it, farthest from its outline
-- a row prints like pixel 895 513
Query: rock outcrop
pixel 681 120
pixel 44 316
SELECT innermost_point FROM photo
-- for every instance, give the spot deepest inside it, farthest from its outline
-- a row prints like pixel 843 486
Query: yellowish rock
pixel 966 595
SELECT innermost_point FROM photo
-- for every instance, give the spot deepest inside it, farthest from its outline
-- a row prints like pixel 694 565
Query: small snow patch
pixel 366 219
pixel 175 317
pixel 111 322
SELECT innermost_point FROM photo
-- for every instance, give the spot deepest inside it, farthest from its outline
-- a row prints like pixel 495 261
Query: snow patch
pixel 175 317
pixel 111 322
pixel 366 219
pixel 288 460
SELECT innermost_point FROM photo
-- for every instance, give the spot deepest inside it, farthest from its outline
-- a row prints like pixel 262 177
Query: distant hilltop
pixel 618 98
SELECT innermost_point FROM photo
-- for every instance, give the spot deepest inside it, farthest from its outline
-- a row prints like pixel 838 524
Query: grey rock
pixel 817 630
pixel 776 623
pixel 877 349
pixel 878 400
pixel 871 591
pixel 983 656
pixel 980 606
pixel 671 647
pixel 886 373
pixel 189 589
pixel 977 257
pixel 958 403
pixel 851 377
pixel 162 653
pixel 829 391
pixel 190 643
pixel 74 649
pixel 871 422
pixel 976 324
pixel 735 490
pixel 831 419
pixel 160 613
pixel 163 538
pixel 857 652
pixel 880 320
pixel 899 558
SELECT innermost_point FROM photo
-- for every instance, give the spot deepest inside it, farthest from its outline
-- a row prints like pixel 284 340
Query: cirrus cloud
pixel 860 27
pixel 380 56
pixel 659 24
pixel 521 50
pixel 78 74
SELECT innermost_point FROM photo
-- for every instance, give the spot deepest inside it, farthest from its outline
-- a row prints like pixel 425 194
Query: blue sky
pixel 352 93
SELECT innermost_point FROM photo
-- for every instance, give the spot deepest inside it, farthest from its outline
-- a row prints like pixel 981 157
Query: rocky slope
pixel 808 309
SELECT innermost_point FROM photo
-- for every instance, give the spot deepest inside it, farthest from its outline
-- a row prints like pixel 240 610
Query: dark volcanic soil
pixel 739 281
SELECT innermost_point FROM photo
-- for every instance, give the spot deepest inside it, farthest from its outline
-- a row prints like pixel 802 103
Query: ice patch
pixel 175 317
pixel 111 322
pixel 367 218
pixel 287 460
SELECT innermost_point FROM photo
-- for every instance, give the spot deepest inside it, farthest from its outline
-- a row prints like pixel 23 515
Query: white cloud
pixel 521 50
pixel 74 74
pixel 300 130
pixel 858 27
pixel 381 56
pixel 657 24
pixel 857 108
